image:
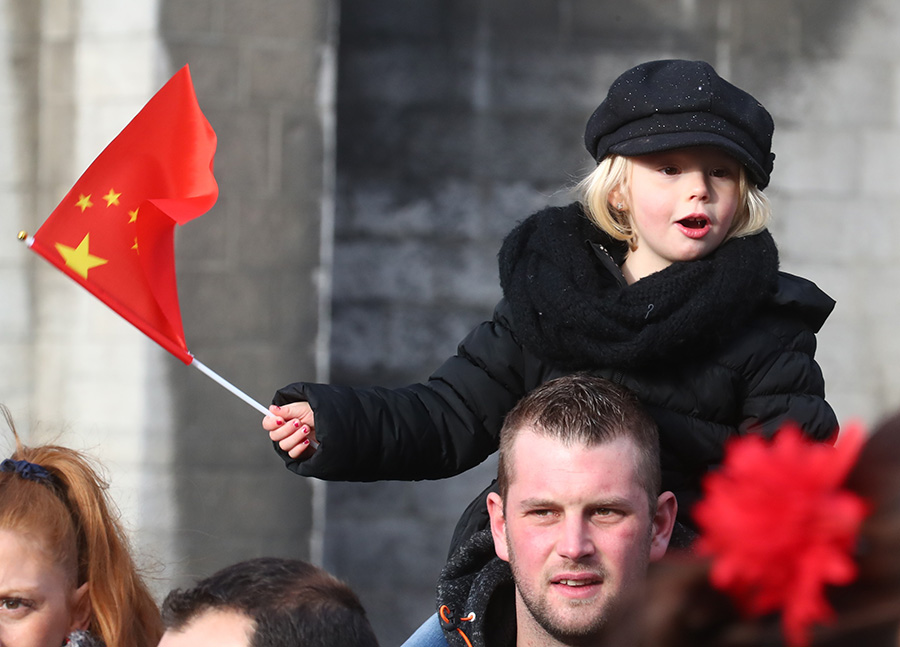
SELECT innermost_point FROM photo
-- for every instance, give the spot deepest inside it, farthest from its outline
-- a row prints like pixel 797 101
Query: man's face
pixel 577 533
pixel 213 628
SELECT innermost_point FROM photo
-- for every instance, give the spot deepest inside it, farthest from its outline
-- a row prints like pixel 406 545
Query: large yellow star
pixel 84 201
pixel 79 259
pixel 112 198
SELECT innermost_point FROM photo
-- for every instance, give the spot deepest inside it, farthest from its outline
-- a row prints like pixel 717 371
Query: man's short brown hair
pixel 581 408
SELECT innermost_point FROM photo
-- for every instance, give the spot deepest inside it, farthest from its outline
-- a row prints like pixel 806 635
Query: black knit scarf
pixel 571 311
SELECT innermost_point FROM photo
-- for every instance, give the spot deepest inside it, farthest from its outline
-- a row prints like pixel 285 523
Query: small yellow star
pixel 84 201
pixel 133 216
pixel 79 259
pixel 135 246
pixel 112 198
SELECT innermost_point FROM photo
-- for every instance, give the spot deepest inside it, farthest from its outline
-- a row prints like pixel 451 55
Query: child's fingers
pixel 280 433
pixel 292 436
pixel 272 422
pixel 299 410
pixel 299 449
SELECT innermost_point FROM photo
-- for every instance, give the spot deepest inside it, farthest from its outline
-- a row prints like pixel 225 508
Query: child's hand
pixel 292 427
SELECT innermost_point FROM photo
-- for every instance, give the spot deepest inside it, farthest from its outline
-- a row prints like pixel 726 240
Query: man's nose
pixel 575 540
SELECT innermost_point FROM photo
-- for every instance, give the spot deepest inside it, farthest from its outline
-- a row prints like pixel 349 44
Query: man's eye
pixel 608 514
pixel 542 513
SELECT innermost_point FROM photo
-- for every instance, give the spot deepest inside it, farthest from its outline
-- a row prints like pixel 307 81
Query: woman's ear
pixel 81 608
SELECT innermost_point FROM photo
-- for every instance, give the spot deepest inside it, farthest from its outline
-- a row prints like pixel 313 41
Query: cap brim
pixel 660 142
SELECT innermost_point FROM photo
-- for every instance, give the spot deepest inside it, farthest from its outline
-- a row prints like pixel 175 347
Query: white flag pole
pixel 228 385
pixel 236 391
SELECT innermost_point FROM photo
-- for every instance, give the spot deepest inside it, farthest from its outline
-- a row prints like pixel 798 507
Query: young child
pixel 662 278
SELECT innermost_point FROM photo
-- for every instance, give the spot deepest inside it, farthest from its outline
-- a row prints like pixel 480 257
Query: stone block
pixel 282 72
pixel 117 69
pixel 304 158
pixel 864 32
pixel 208 243
pixel 227 307
pixel 811 227
pixel 214 71
pixel 243 162
pixel 265 19
pixel 778 20
pixel 212 502
pixel 878 150
pixel 406 20
pixel 190 20
pixel 272 234
pixel 111 18
pixel 383 272
pixel 15 316
pixel 810 163
pixel 825 24
pixel 400 74
pixel 609 24
pixel 447 207
pixel 57 17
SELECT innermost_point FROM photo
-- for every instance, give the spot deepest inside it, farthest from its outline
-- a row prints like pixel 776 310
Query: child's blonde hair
pixel 614 172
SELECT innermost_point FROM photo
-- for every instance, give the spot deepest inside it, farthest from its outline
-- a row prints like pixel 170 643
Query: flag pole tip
pixel 22 235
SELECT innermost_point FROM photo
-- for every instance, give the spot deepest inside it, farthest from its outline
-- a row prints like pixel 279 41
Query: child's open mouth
pixel 694 222
pixel 694 226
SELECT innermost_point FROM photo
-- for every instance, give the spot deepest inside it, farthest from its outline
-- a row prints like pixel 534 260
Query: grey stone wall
pixel 456 119
pixel 193 473
pixel 248 269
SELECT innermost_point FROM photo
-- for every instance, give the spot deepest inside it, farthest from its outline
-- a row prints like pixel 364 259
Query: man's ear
pixel 498 525
pixel 663 523
pixel 81 608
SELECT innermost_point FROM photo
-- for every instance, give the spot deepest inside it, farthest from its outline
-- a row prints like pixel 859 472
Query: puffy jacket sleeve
pixel 783 380
pixel 423 431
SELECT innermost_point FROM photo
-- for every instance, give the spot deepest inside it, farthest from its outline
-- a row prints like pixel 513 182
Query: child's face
pixel 682 203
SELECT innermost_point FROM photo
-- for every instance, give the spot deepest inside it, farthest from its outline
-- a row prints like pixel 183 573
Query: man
pixel 576 522
pixel 266 602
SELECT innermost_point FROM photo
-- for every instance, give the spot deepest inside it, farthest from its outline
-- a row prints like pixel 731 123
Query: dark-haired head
pixel 290 603
pixel 589 410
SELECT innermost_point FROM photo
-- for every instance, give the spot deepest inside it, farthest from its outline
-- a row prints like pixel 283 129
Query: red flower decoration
pixel 779 527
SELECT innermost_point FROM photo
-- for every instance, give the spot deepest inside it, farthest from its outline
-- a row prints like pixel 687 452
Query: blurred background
pixel 372 154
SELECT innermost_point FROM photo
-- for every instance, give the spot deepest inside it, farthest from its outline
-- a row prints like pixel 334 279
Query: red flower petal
pixel 778 526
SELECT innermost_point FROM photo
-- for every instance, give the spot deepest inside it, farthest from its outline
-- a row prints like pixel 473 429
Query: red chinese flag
pixel 114 231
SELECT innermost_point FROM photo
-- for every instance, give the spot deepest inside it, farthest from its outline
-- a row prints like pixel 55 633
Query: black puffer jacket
pixel 713 347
